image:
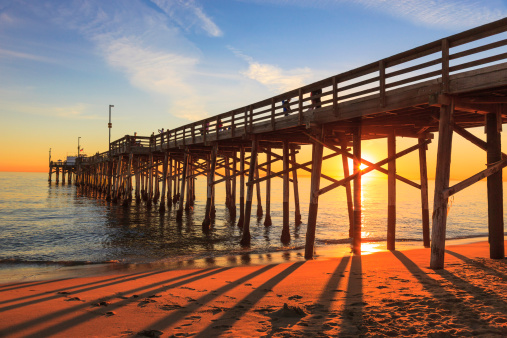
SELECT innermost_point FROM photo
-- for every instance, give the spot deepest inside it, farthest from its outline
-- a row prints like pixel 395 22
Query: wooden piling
pixel 170 182
pixel 495 188
pixel 297 210
pixel 348 188
pixel 241 187
pixel 211 178
pixel 258 190
pixel 441 184
pixel 424 194
pixel 245 240
pixel 285 237
pixel 356 241
pixel 232 210
pixel 161 208
pixel 391 193
pixel 267 219
pixel 317 150
pixel 150 182
pixel 179 214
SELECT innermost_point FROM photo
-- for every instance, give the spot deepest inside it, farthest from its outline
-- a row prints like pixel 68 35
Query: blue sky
pixel 164 63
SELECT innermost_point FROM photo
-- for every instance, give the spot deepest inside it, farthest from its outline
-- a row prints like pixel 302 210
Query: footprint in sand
pixel 102 303
pixel 295 297
pixel 73 299
pixel 150 333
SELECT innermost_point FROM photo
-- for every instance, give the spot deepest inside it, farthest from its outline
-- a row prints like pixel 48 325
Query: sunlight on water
pixel 59 223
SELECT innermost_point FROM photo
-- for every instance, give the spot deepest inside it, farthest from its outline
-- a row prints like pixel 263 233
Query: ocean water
pixel 43 223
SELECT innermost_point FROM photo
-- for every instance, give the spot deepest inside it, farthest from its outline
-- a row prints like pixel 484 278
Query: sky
pixel 166 63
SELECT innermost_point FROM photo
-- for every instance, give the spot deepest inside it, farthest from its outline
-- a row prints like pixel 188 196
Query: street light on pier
pixel 78 147
pixel 109 126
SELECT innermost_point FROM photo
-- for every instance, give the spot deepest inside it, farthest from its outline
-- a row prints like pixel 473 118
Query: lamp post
pixel 78 147
pixel 110 125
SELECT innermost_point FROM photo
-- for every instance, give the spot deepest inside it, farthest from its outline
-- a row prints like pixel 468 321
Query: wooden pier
pixel 446 86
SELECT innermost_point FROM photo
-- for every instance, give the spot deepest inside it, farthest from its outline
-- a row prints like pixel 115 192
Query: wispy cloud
pixel 147 43
pixel 451 14
pixel 273 77
pixel 188 15
pixel 19 55
pixel 443 13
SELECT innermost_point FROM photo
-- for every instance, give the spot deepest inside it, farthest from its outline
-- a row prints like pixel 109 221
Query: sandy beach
pixel 384 294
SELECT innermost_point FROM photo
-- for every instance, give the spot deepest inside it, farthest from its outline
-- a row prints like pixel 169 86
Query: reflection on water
pixel 50 223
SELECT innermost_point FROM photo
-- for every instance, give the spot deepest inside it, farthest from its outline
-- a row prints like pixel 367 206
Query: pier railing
pixel 440 59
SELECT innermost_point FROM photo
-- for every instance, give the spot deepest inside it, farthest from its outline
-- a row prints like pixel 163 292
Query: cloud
pixel 449 14
pixel 456 14
pixel 26 56
pixel 188 14
pixel 273 77
pixel 146 43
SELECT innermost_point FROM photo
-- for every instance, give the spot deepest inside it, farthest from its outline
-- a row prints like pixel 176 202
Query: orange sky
pixel 467 159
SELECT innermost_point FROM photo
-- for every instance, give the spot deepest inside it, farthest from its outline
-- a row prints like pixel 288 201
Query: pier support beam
pixel 348 188
pixel 241 188
pixel 150 182
pixel 317 150
pixel 356 240
pixel 285 238
pixel 170 183
pixel 391 193
pixel 211 178
pixel 441 184
pixel 424 194
pixel 258 189
pixel 179 214
pixel 495 189
pixel 164 183
pixel 297 210
pixel 267 219
pixel 245 240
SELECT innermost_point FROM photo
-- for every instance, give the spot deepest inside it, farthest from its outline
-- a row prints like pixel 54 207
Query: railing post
pixel 445 65
pixel 300 95
pixel 233 125
pixel 273 113
pixel 193 133
pixel 382 85
pixel 204 131
pixel 335 96
pixel 251 119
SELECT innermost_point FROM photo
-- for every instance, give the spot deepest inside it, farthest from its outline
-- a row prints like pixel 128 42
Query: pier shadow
pixel 352 315
pixel 321 311
pixel 446 305
pixel 143 291
pixel 479 265
pixel 234 314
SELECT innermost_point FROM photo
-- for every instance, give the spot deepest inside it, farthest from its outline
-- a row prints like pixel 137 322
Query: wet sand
pixel 381 294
